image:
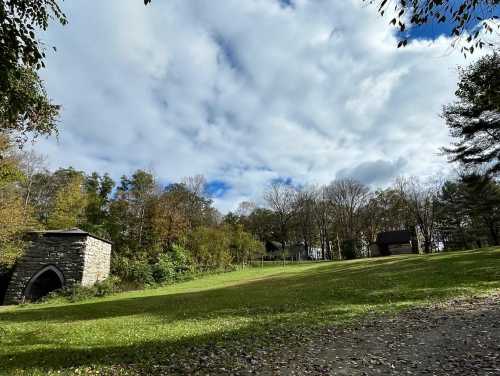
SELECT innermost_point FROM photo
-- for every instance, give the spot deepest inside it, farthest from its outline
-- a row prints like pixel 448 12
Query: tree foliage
pixel 20 20
pixel 69 205
pixel 461 15
pixel 13 221
pixel 468 212
pixel 210 248
pixel 170 221
pixel 474 118
pixel 342 219
pixel 98 191
pixel 25 109
pixel 9 162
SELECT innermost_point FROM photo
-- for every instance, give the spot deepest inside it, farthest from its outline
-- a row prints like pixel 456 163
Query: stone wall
pixel 97 261
pixel 80 258
pixel 65 253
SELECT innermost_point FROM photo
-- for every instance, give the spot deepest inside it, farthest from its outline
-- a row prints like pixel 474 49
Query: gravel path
pixel 456 338
pixel 459 337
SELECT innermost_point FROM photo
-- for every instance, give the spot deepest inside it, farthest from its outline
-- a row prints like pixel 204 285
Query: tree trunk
pixel 338 247
pixel 494 234
pixel 283 251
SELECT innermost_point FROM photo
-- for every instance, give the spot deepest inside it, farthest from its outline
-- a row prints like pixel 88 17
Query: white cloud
pixel 245 91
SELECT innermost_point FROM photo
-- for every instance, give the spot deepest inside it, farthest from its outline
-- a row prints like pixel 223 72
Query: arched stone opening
pixel 46 280
pixel 68 257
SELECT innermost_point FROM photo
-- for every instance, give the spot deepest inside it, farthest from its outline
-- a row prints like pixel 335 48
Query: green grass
pixel 146 326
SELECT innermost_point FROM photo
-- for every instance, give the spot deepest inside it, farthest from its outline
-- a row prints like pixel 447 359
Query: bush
pixel 164 270
pixel 129 270
pixel 172 265
pixel 109 286
pixel 244 247
pixel 120 266
pixel 182 259
pixel 140 271
pixel 210 248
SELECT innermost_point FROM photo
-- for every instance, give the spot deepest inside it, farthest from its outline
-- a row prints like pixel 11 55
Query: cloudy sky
pixel 245 92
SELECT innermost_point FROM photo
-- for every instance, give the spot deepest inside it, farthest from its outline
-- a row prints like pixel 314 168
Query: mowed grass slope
pixel 146 326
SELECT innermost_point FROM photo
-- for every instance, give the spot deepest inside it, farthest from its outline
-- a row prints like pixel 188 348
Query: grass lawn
pixel 147 326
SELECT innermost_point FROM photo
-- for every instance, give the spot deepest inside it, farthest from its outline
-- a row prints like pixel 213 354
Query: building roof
pixel 68 232
pixel 394 237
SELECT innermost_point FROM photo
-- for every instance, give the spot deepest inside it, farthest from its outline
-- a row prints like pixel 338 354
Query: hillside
pixel 243 310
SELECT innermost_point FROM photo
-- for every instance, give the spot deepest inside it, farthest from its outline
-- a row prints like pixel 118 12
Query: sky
pixel 247 92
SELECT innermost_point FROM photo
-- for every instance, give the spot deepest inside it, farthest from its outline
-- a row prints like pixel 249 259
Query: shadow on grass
pixel 326 294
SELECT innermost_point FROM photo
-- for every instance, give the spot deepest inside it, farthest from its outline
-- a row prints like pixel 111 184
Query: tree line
pixel 159 232
pixel 344 217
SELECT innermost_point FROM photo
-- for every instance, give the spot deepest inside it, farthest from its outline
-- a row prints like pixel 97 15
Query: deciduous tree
pixel 69 205
pixel 420 199
pixel 25 109
pixel 280 197
pixel 466 18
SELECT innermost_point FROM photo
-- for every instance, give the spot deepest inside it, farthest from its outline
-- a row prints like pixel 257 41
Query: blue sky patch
pixel 228 52
pixel 435 30
pixel 287 3
pixel 284 180
pixel 216 188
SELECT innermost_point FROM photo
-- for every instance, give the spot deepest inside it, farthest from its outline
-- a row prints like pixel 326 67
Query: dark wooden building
pixel 396 243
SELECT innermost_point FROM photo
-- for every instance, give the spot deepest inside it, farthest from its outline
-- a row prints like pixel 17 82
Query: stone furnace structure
pixel 56 259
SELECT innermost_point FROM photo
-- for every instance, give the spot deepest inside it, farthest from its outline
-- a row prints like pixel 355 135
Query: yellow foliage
pixel 12 224
pixel 69 205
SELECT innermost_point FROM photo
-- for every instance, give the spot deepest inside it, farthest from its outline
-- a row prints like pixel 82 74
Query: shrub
pixel 109 286
pixel 120 266
pixel 244 247
pixel 140 271
pixel 129 270
pixel 164 270
pixel 181 258
pixel 172 265
pixel 210 248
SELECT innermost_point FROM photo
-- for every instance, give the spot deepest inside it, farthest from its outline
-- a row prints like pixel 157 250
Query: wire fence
pixel 288 261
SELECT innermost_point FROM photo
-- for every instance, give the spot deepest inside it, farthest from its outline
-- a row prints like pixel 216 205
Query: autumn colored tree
pixel 69 205
pixel 10 170
pixel 210 248
pixel 169 221
pixel 243 245
pixel 13 219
